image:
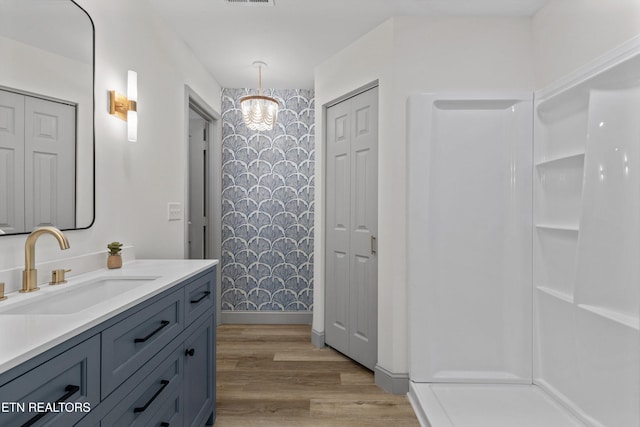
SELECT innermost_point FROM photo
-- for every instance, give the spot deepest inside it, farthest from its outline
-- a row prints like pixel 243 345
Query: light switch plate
pixel 174 211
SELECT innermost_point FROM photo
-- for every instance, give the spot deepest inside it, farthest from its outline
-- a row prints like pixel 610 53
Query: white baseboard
pixel 266 318
pixel 317 338
pixel 391 382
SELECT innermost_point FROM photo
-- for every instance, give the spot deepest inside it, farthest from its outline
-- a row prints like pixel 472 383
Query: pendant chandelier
pixel 259 112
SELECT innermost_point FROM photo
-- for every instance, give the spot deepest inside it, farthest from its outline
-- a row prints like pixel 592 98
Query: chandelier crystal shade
pixel 259 112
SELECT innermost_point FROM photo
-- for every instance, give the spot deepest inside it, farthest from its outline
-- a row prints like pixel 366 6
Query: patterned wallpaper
pixel 267 206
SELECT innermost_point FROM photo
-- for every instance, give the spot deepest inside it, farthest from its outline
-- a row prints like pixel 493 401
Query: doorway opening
pixel 203 227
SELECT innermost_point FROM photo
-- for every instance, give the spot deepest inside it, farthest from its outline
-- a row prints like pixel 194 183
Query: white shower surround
pixel 585 230
pixel 470 237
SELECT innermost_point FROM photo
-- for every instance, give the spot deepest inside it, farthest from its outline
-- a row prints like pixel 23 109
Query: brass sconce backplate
pixel 118 105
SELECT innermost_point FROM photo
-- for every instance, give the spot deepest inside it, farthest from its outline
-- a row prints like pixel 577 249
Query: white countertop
pixel 23 336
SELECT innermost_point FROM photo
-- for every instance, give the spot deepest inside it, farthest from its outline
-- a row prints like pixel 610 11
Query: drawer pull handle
pixel 70 391
pixel 144 408
pixel 163 325
pixel 204 295
pixel 190 352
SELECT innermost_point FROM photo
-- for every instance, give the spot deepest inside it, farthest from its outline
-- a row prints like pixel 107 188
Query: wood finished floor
pixel 271 375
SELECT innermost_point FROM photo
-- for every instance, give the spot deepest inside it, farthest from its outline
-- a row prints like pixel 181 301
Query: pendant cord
pixel 259 80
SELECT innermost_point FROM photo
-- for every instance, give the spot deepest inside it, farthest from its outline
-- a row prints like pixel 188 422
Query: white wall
pixel 134 180
pixel 409 55
pixel 570 33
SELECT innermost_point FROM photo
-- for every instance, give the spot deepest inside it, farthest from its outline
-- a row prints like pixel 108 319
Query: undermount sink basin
pixel 78 297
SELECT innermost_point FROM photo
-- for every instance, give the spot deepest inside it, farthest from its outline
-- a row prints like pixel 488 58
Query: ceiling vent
pixel 252 2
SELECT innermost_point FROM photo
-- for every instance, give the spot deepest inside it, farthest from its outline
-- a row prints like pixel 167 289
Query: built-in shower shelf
pixel 562 161
pixel 556 293
pixel 572 228
pixel 624 319
pixel 557 106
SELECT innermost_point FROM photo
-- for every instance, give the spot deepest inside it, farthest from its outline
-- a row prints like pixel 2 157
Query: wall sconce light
pixel 125 107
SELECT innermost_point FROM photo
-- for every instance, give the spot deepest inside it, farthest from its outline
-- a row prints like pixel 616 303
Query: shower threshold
pixel 487 405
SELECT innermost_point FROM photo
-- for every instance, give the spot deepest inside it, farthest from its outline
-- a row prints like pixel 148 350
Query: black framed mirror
pixel 47 142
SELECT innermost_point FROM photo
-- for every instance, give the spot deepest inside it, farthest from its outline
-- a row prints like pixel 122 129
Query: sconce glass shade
pixel 132 126
pixel 126 107
pixel 132 85
pixel 132 112
pixel 259 112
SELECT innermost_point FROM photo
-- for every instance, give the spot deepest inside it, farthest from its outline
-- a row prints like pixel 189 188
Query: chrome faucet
pixel 30 274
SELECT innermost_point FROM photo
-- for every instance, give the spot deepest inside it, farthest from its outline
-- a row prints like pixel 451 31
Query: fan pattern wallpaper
pixel 267 206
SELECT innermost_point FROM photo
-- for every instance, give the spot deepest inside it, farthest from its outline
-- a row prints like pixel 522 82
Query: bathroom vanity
pixel 140 352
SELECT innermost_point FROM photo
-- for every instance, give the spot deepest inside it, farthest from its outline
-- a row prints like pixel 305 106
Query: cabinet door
pixel 199 373
pixel 71 378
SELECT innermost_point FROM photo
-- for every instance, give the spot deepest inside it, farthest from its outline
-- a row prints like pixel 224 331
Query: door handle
pixel 374 245
pixel 204 295
pixel 163 325
pixel 163 383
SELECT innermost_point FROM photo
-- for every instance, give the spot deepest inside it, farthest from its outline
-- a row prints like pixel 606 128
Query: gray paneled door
pixel 351 297
pixel 198 188
pixel 11 162
pixel 49 163
pixel 37 163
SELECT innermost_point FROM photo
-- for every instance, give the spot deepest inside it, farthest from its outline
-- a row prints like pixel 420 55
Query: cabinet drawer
pixel 72 377
pixel 150 396
pixel 130 343
pixel 170 415
pixel 199 296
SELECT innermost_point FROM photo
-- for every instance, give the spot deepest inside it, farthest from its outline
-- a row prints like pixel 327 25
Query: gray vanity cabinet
pixel 152 365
